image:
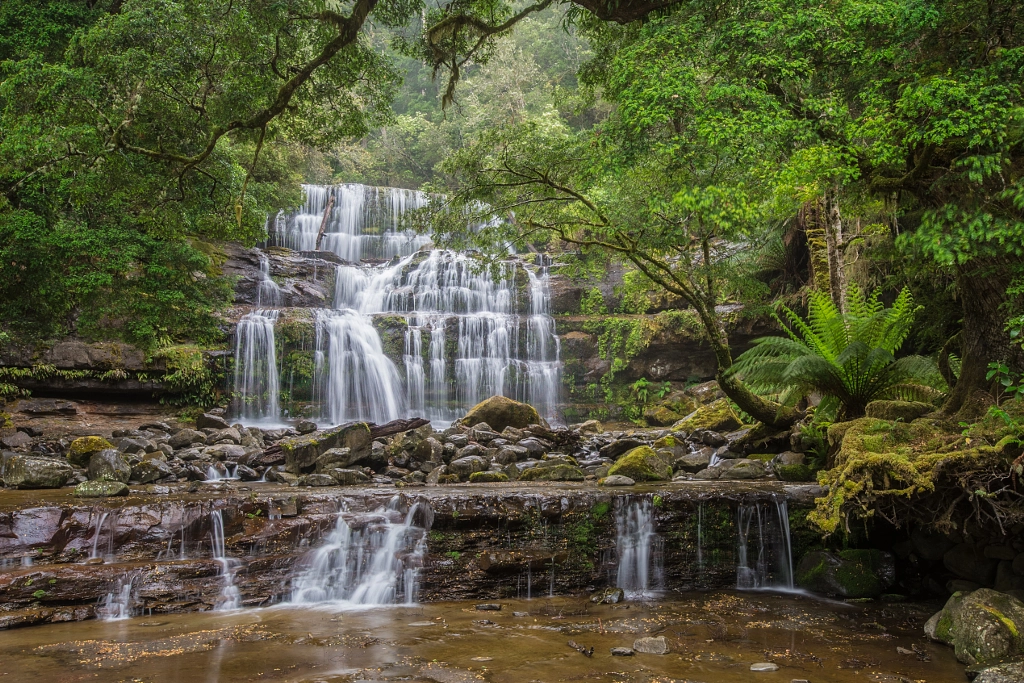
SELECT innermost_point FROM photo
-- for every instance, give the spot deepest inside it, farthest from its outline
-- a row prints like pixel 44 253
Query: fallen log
pixel 396 427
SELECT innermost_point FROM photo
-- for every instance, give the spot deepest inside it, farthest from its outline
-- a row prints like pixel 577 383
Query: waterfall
pixel 229 597
pixel 268 294
pixel 764 555
pixel 118 603
pixel 256 381
pixel 100 521
pixel 543 350
pixel 368 559
pixel 638 547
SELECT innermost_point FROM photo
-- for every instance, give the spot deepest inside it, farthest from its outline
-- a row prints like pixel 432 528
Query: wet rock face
pixel 983 626
pixel 847 574
pixel 499 412
pixel 27 472
pixel 301 452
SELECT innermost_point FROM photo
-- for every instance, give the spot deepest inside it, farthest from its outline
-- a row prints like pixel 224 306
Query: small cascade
pixel 119 603
pixel 229 597
pixel 256 380
pixel 98 547
pixel 638 546
pixel 368 559
pixel 700 535
pixel 764 555
pixel 268 294
pixel 230 472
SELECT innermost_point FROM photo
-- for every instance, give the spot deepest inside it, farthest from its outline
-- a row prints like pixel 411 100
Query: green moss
pixel 560 472
pixel 717 416
pixel 487 477
pixel 642 464
pixel 763 457
pixel 600 509
pixel 794 472
pixel 82 448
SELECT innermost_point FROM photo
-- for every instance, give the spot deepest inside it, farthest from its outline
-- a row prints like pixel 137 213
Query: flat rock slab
pixel 651 646
pixel 622 652
pixel 489 607
pixel 764 666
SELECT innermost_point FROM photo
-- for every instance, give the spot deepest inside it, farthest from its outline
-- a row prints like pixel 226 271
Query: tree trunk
pixel 834 250
pixel 983 338
pixel 323 223
pixel 813 218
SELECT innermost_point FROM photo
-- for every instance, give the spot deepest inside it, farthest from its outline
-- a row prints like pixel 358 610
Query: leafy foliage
pixel 846 359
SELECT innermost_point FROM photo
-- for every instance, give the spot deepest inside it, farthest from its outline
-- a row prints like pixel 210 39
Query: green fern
pixel 846 359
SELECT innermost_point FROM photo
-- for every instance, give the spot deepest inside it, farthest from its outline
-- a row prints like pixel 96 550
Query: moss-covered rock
pixel 28 472
pixel 487 477
pixel 983 626
pixel 500 412
pixel 101 489
pixel 661 416
pixel 847 574
pixel 301 452
pixel 717 416
pixel 642 464
pixel 83 448
pixel 556 472
pixel 799 472
pixel 908 411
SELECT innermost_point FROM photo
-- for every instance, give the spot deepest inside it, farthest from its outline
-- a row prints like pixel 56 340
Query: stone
pixel 532 446
pixel 642 464
pixel 16 440
pixel 847 573
pixel 1006 578
pixel 82 448
pixel 489 607
pixel 108 465
pixel 500 412
pixel 742 468
pixel 692 462
pixel 616 480
pixel 1010 672
pixel 282 478
pixel 245 473
pixel 301 452
pixel 709 474
pixel 984 626
pixel 507 455
pixel 651 645
pixel 227 451
pixel 131 446
pixel 334 457
pixel 589 427
pixel 429 449
pixel 149 471
pixel 317 480
pixel 210 421
pixel 305 427
pixel 764 666
pixel 608 596
pixel 661 416
pixel 794 472
pixel 965 561
pixel 31 431
pixel 27 472
pixel 556 472
pixel 617 448
pixel 1000 552
pixel 488 477
pixel 230 435
pixel 458 440
pixel 1018 564
pixel 789 458
pixel 185 438
pixel 463 467
pixel 717 416
pixel 906 411
pixel 622 652
pixel 100 489
pixel 930 546
pixel 347 477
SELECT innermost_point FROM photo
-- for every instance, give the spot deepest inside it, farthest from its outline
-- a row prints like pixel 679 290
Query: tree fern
pixel 846 359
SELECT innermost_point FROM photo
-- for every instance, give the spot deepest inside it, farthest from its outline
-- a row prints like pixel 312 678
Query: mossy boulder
pixel 907 411
pixel 846 574
pixel 556 472
pixel 983 626
pixel 83 448
pixel 488 477
pixel 27 472
pixel 500 412
pixel 717 416
pixel 101 489
pixel 799 472
pixel 301 452
pixel 642 463
pixel 108 465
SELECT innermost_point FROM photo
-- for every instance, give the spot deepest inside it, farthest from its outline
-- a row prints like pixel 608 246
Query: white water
pixel 101 521
pixel 368 559
pixel 638 547
pixel 229 597
pixel 256 371
pixel 119 602
pixel 268 294
pixel 764 555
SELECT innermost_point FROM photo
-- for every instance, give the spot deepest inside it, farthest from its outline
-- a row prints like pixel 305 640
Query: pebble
pixel 482 659
pixel 520 614
pixel 799 680
pixel 489 607
pixel 764 666
pixel 651 646
pixel 622 652
pixel 422 623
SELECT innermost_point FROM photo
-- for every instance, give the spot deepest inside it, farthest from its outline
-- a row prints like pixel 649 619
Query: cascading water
pixel 229 597
pixel 256 372
pixel 268 294
pixel 638 546
pixel 97 545
pixel 764 555
pixel 119 603
pixel 368 559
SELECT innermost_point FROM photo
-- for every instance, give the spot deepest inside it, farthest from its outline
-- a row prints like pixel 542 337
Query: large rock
pixel 742 468
pixel 186 437
pixel 969 563
pixel 983 626
pixel 101 489
pixel 692 462
pixel 500 412
pixel 1011 672
pixel 617 448
pixel 108 465
pixel 16 440
pixel 207 421
pixel 148 471
pixel 27 472
pixel 847 574
pixel 558 471
pixel 82 449
pixel 464 467
pixel 301 452
pixel 907 411
pixel 717 416
pixel 642 464
pixel 651 645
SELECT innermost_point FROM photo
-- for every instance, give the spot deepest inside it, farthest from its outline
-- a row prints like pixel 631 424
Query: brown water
pixel 713 637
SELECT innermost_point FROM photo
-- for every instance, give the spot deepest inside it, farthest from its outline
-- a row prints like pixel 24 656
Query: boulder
pixel 642 464
pixel 16 440
pixel 968 563
pixel 906 411
pixel 847 574
pixel 661 416
pixel 82 449
pixel 742 468
pixel 229 435
pixel 617 448
pixel 608 596
pixel 27 472
pixel 108 465
pixel 335 457
pixel 301 452
pixel 589 427
pixel 616 480
pixel 500 412
pixel 983 626
pixel 651 646
pixel 101 489
pixel 464 467
pixel 245 473
pixel 149 471
pixel 794 472
pixel 305 427
pixel 488 477
pixel 429 449
pixel 507 455
pixel 717 416
pixel 208 421
pixel 185 438
pixel 282 478
pixel 532 445
pixel 692 462
pixel 558 471
pixel 1010 672
pixel 317 480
